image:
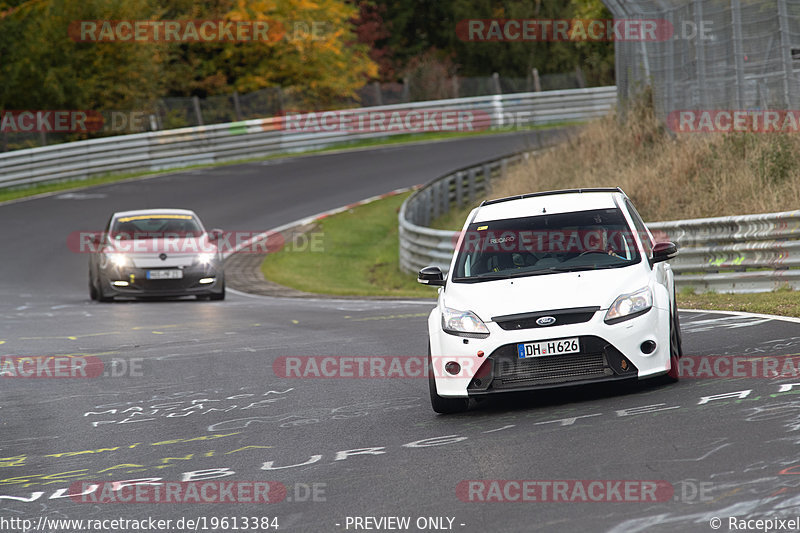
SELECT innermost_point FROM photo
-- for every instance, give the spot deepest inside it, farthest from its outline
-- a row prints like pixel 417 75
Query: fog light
pixel 648 347
pixel 120 283
pixel 624 364
pixel 206 280
pixel 452 368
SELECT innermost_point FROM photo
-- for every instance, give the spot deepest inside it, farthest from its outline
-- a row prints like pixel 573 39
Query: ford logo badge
pixel 546 320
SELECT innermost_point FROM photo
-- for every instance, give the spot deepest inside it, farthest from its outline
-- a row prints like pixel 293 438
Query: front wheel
pixel 92 288
pixel 101 295
pixel 675 347
pixel 441 405
pixel 218 295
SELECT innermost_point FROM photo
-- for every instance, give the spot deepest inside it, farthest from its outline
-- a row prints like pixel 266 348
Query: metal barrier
pixel 752 253
pixel 162 150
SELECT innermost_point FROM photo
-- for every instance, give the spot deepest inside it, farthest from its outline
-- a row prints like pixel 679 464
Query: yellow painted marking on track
pixel 157 332
pixel 77 355
pixel 295 322
pixel 729 493
pixel 389 317
pixel 70 337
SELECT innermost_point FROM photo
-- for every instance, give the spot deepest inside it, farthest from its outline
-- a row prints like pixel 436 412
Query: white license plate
pixel 544 348
pixel 165 274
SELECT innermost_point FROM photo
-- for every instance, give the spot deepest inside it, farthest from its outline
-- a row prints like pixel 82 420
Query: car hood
pixel 545 292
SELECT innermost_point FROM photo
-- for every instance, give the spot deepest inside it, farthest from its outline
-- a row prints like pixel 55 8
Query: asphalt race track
pixel 191 392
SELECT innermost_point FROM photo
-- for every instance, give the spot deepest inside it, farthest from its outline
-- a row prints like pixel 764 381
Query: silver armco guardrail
pixel 751 253
pixel 160 150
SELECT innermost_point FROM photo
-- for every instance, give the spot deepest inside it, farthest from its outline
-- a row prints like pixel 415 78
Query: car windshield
pixel 155 227
pixel 545 244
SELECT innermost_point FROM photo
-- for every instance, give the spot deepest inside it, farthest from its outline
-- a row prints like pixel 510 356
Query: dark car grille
pixel 598 360
pixel 553 369
pixel 562 317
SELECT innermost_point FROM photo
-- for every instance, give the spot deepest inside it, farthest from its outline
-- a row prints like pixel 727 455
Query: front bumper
pixel 138 284
pixel 607 353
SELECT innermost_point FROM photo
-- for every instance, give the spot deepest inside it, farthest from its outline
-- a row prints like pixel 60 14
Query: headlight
pixel 630 305
pixel 118 260
pixel 463 324
pixel 205 258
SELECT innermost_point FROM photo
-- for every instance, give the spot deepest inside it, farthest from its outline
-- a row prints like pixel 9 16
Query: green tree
pixel 43 68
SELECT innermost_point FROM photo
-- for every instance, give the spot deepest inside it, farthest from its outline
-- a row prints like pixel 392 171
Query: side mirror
pixel 431 275
pixel 664 251
pixel 215 234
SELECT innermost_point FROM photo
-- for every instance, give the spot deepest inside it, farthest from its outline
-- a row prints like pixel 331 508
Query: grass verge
pixel 781 302
pixel 360 257
pixel 15 193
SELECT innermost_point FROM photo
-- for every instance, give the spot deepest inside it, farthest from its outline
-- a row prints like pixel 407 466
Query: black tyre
pixel 445 406
pixel 675 346
pixel 92 288
pixel 218 295
pixel 101 294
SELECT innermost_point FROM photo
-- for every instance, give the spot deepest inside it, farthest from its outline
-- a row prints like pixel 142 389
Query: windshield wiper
pixel 493 276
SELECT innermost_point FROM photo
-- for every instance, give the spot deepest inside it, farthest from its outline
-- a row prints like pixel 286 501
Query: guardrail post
pixel 471 185
pixel 445 196
pixel 496 83
pixel 428 207
pixel 579 77
pixel 459 189
pixel 237 108
pixel 197 113
pixel 537 83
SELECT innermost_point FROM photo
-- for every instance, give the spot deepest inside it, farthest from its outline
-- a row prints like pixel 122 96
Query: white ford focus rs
pixel 548 290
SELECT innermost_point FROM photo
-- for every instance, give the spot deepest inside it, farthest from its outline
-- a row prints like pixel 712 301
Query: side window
pixel 641 229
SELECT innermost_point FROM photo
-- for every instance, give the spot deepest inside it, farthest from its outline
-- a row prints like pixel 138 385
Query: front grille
pixel 550 370
pixel 598 360
pixel 576 315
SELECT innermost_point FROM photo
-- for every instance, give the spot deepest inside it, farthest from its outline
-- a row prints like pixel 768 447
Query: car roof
pixel 139 212
pixel 549 202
